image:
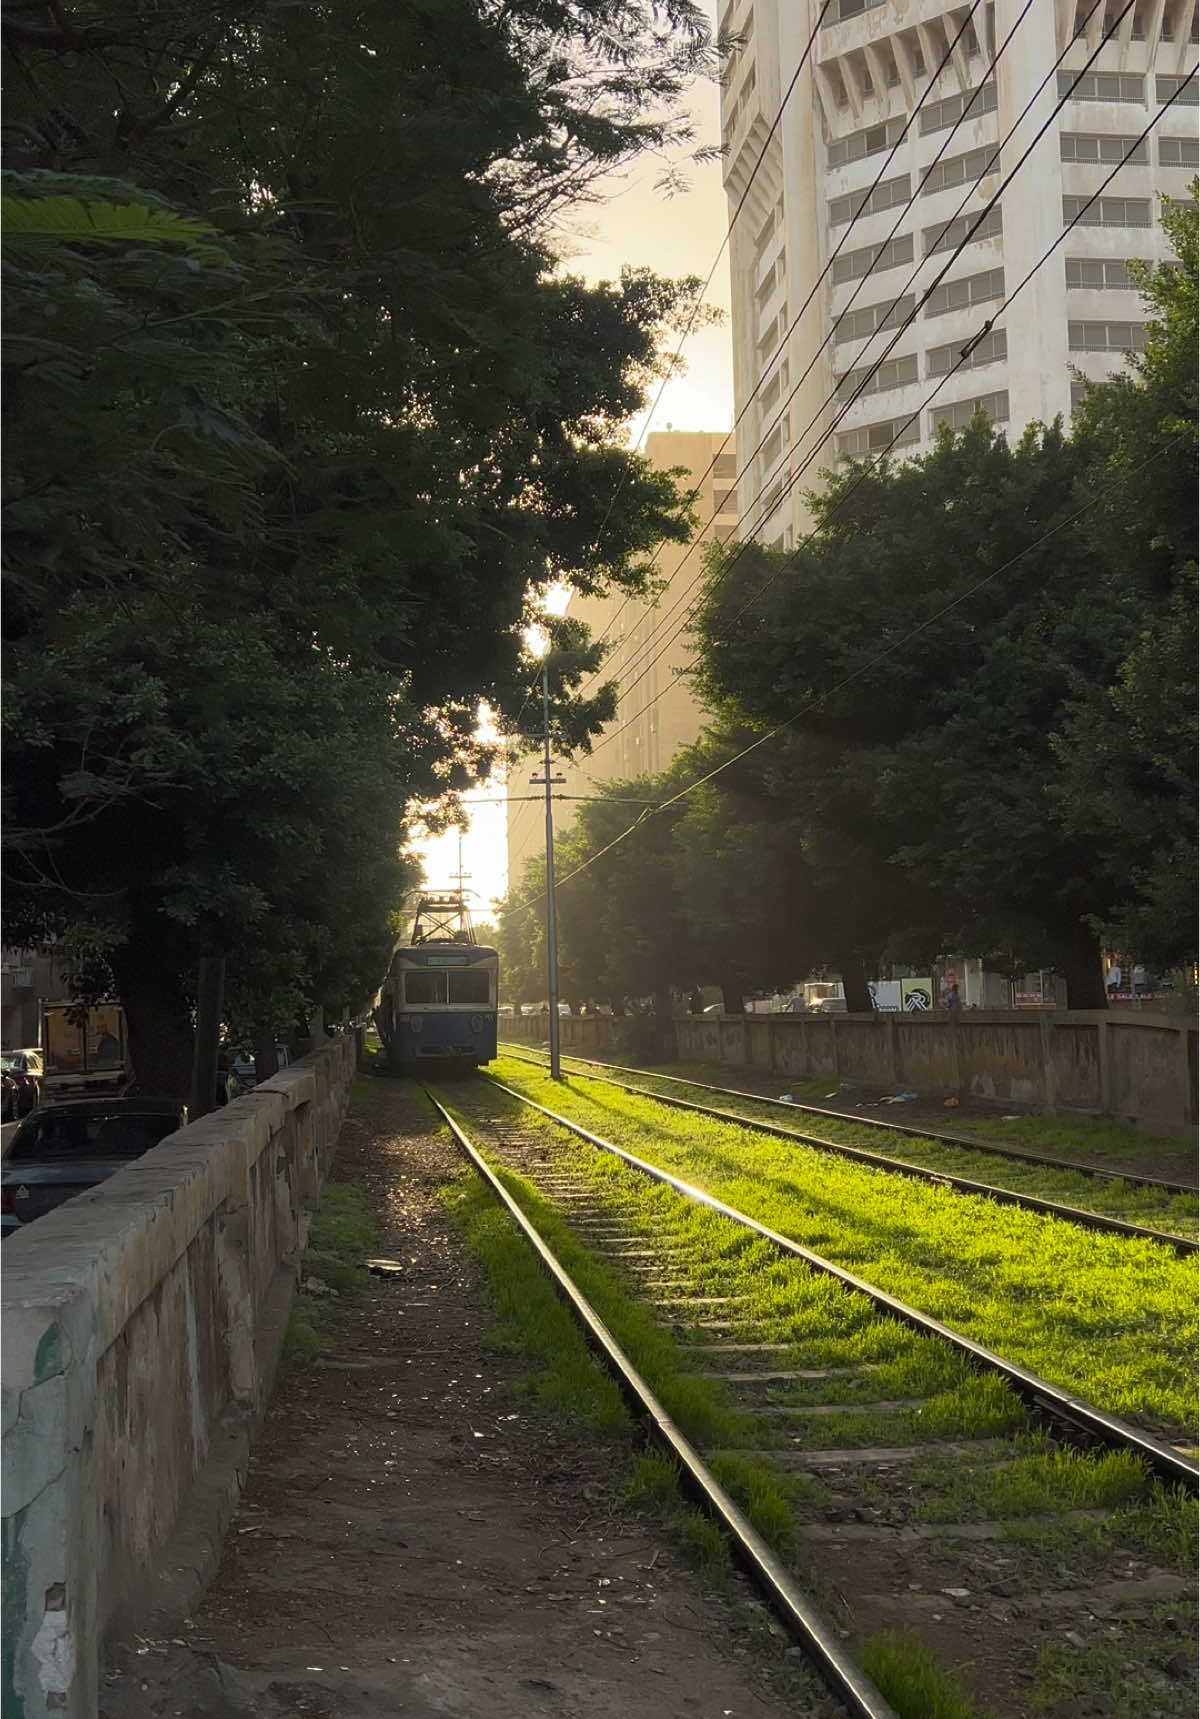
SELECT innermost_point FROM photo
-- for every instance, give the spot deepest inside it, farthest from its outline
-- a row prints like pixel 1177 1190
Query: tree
pixel 923 684
pixel 306 414
pixel 981 666
pixel 1127 750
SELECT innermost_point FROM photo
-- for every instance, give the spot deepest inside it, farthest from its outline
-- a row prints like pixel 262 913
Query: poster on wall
pixel 916 995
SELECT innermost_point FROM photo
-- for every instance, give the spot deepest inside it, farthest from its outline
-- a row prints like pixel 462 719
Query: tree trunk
pixel 732 1001
pixel 1084 971
pixel 854 984
pixel 159 1023
pixel 266 1058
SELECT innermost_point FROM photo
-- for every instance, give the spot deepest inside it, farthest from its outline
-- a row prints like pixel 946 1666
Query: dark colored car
pixel 21 1070
pixel 64 1149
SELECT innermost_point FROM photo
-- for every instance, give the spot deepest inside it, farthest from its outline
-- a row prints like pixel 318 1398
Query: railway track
pixel 885 1444
pixel 1003 1195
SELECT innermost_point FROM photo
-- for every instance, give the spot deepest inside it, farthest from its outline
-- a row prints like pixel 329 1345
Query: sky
pixel 634 224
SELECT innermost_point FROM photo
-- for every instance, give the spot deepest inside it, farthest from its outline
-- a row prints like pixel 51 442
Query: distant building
pixel 27 980
pixel 656 713
pixel 869 68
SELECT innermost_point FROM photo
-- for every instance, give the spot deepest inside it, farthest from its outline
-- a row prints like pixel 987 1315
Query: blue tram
pixel 437 1009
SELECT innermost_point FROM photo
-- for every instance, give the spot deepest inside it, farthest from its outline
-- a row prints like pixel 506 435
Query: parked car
pixel 243 1067
pixel 22 1073
pixel 64 1149
pixel 827 1006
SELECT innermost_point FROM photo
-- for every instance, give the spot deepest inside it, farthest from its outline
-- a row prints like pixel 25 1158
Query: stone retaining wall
pixel 142 1324
pixel 1139 1067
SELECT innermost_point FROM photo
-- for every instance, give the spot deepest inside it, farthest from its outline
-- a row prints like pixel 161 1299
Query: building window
pixel 1165 88
pixel 1080 146
pixel 770 281
pixel 858 324
pixel 940 360
pixel 876 379
pixel 873 259
pixel 959 414
pixel 725 466
pixel 726 501
pixel 1107 211
pixel 949 235
pixel 1097 275
pixel 872 140
pixel 1106 336
pixel 878 438
pixel 839 10
pixel 889 194
pixel 962 294
pixel 961 169
pixel 1179 152
pixel 940 115
pixel 1102 86
pixel 1078 391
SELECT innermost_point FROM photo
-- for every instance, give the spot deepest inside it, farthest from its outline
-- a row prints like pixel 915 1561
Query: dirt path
pixel 413 1542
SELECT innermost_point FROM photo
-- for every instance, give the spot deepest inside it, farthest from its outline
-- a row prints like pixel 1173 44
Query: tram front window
pixel 468 987
pixel 425 987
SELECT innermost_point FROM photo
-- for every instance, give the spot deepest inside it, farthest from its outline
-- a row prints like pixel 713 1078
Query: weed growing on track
pixel 906 1673
pixel 566 1380
pixel 1175 1214
pixel 1108 1318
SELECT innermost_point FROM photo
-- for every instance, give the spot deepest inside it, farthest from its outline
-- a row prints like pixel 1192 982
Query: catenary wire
pixel 873 369
pixel 895 644
pixel 868 192
pixel 762 155
pixel 648 645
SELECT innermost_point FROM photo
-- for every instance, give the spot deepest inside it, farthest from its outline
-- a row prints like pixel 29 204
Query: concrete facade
pixel 656 713
pixel 142 1324
pixel 1140 1068
pixel 869 68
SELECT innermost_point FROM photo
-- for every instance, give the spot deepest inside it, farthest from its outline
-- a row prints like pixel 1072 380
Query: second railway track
pixel 872 1445
pixel 1173 1195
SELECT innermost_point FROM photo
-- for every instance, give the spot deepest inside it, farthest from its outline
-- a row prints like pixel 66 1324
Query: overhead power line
pixel 922 626
pixel 865 380
pixel 846 234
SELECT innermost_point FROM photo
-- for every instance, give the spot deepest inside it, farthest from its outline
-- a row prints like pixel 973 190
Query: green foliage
pixel 908 1676
pixel 308 416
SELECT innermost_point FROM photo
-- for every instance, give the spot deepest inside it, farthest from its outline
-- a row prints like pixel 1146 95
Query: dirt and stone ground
pixel 414 1541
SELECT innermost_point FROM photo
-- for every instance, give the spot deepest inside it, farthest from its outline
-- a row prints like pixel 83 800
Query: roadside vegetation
pixel 1110 1318
pixel 341 1236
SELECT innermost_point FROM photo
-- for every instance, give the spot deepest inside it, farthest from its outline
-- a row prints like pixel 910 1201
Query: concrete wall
pixel 142 1324
pixel 1139 1067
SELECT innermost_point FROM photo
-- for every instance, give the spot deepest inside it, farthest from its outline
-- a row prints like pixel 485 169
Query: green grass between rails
pixel 1107 1317
pixel 568 1381
pixel 1175 1214
pixel 711 1256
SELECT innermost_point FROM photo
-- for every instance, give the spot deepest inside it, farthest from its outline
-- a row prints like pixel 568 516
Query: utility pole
pixel 551 911
pixel 210 994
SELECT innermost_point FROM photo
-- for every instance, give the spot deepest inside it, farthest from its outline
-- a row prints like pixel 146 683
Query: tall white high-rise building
pixel 869 68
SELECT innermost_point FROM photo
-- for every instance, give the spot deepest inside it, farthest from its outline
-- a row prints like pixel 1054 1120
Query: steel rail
pixel 1094 1424
pixel 897 1166
pixel 847 1680
pixel 906 1128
